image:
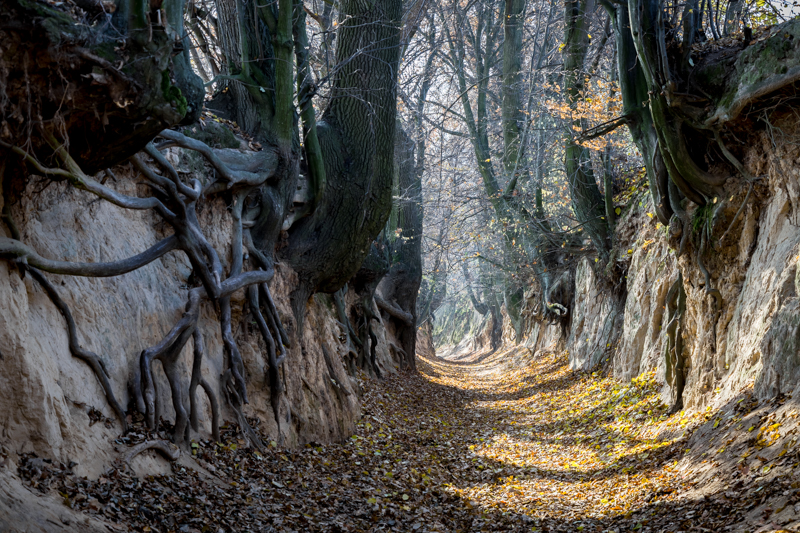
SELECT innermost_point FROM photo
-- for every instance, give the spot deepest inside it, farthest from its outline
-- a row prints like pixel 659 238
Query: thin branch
pixel 603 129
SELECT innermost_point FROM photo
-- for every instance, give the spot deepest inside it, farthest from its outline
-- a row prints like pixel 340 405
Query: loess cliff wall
pixel 751 341
pixel 53 406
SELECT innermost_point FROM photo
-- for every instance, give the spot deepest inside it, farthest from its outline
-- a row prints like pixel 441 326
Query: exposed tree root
pixel 745 174
pixel 275 360
pixel 556 308
pixel 176 202
pixel 682 222
pixel 161 446
pixel 673 349
pixel 710 291
pixel 394 311
pixel 93 360
pixel 369 340
pixel 738 212
pixel 351 340
pixel 340 390
pixel 168 351
pixel 338 298
pixel 552 310
pixel 233 399
pixel 25 255
pixel 197 379
pixel 365 283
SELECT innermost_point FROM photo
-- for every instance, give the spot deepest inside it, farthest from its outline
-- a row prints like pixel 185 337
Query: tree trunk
pixel 587 202
pixel 356 134
pixel 402 283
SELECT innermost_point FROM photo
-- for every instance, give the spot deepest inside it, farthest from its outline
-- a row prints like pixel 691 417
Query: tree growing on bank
pixel 127 79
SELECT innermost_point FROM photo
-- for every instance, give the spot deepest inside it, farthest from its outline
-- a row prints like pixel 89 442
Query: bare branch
pixel 603 129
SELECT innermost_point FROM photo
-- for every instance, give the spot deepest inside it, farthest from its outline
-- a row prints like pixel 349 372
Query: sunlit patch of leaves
pixel 500 442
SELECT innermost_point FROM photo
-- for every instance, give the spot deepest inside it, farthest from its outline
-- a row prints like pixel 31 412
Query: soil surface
pixel 503 441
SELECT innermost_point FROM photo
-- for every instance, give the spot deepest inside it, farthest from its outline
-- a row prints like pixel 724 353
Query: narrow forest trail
pixel 484 442
pixel 540 441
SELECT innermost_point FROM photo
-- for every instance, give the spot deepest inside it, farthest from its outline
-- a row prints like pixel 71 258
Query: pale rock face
pixel 761 342
pixel 546 338
pixel 596 319
pixel 47 392
pixel 752 341
pixel 651 272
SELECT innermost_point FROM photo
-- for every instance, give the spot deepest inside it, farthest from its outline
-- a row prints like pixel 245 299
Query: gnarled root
pixel 394 311
pixel 275 358
pixel 197 379
pixel 161 446
pixel 338 298
pixel 554 311
pixel 175 202
pixel 369 341
pixel 233 399
pixel 93 360
pixel 710 291
pixel 681 218
pixel 350 338
pixel 341 392
pixel 168 352
pixel 673 350
pixel 236 364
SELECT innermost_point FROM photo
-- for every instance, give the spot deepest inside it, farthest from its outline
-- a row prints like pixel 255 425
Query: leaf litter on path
pixel 492 442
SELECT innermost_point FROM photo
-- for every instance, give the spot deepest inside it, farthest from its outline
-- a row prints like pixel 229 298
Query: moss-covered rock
pixel 214 134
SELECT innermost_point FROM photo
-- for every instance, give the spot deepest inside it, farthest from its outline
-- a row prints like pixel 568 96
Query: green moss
pixel 326 300
pixel 106 51
pixel 173 94
pixel 56 22
pixel 214 134
pixel 701 217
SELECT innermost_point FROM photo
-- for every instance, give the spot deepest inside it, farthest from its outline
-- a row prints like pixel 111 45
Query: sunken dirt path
pixel 500 442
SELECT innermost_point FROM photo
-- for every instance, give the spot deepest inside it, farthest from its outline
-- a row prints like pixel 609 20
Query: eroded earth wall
pixel 752 339
pixel 52 404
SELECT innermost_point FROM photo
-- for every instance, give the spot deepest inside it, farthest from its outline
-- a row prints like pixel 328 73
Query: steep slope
pixel 54 407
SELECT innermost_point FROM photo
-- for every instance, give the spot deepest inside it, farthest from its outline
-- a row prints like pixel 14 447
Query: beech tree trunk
pixel 356 134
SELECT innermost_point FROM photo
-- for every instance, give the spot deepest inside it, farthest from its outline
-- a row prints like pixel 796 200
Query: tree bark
pixel 356 134
pixel 587 202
